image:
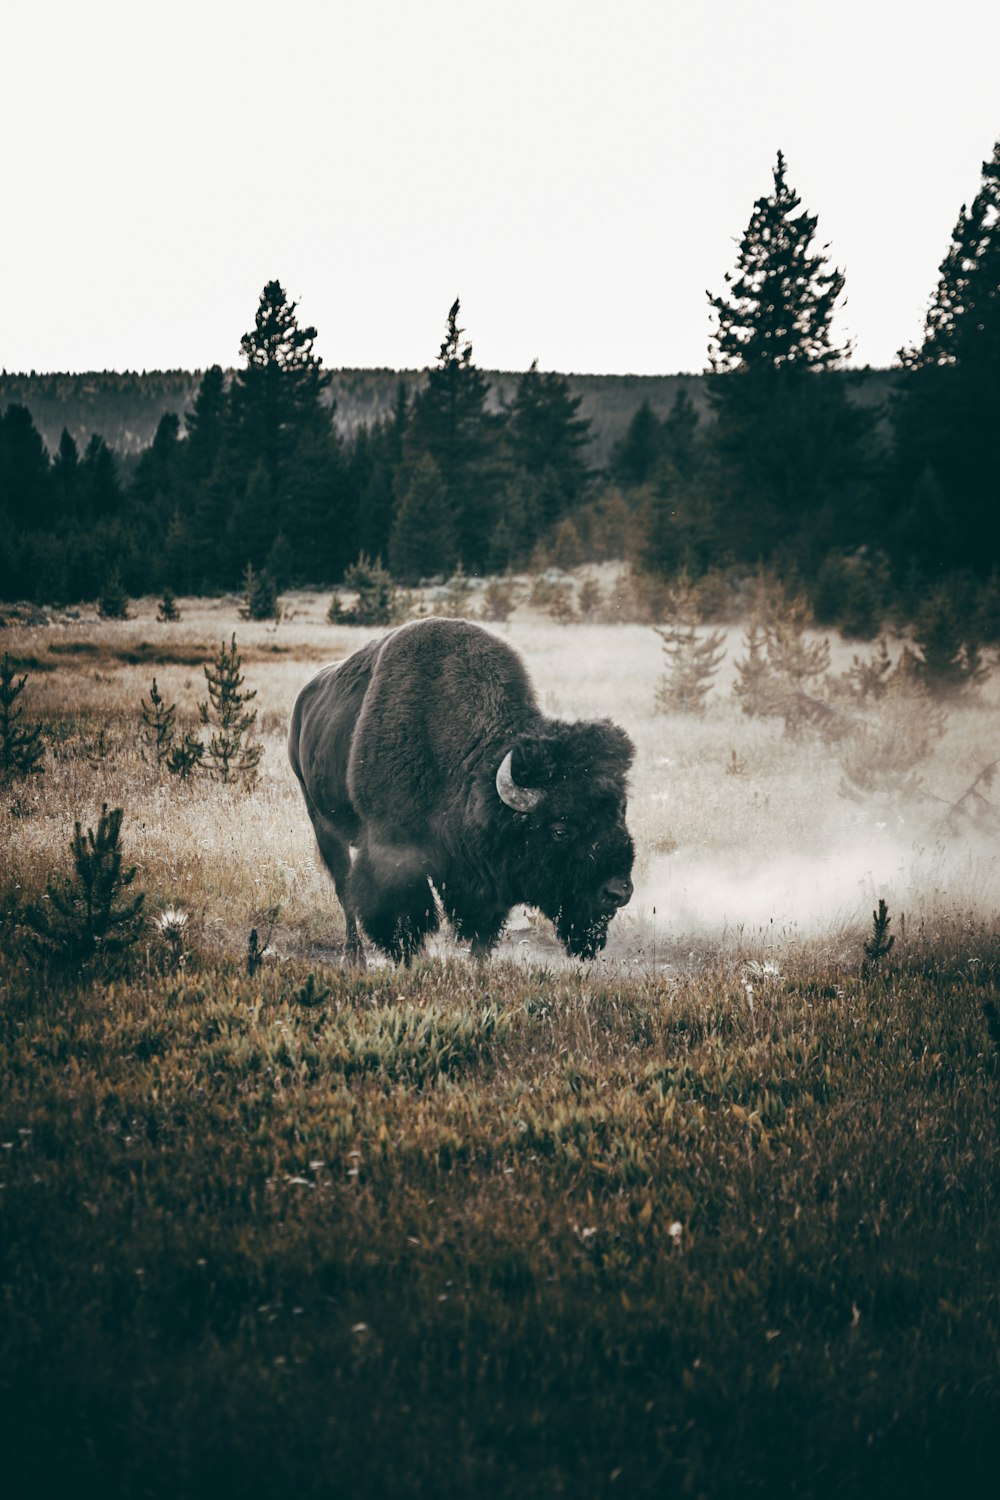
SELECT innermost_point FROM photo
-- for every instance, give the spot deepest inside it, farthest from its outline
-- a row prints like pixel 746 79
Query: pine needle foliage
pixel 692 659
pixel 90 911
pixel 112 603
pixel 498 600
pixel 167 611
pixel 185 756
pixel 782 673
pixel 950 660
pixel 158 721
pixel 230 754
pixel 377 600
pixel 880 944
pixel 780 302
pixel 21 747
pixel 260 595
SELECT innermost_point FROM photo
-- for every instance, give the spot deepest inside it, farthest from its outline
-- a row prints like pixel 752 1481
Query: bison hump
pixel 443 695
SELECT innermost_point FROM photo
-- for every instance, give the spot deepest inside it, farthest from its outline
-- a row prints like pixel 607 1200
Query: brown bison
pixel 426 753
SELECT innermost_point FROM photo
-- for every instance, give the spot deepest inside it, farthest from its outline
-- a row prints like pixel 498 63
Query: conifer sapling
pixel 21 749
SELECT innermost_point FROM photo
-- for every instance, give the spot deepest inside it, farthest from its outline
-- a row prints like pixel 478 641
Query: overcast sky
pixel 578 173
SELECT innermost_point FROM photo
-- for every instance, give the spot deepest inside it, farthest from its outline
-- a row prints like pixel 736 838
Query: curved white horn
pixel 520 798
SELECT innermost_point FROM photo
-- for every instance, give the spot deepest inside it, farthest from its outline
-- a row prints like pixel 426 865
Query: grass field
pixel 716 1213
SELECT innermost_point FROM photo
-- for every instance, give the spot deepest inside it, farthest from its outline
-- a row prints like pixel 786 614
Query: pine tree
pixel 66 478
pixel 206 425
pixel 422 543
pixel 26 491
pixel 692 662
pixel 167 611
pixel 547 435
pixel 693 659
pixel 635 457
pixel 450 422
pixel 100 487
pixel 88 912
pixel 155 480
pixel 946 420
pixel 376 595
pixel 229 753
pixel 112 602
pixel 260 595
pixel 158 722
pixel 949 658
pixel 788 444
pixel 21 747
pixel 278 396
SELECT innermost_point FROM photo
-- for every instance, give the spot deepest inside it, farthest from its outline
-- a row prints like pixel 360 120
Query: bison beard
pixel 427 754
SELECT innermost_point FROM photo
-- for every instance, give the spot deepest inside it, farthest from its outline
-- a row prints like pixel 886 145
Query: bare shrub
pixel 498 600
pixel 881 752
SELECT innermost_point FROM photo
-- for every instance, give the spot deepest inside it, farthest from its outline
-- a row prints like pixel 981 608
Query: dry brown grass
pixel 770 849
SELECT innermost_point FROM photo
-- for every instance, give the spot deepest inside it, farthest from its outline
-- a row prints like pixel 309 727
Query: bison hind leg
pixel 334 841
pixel 394 902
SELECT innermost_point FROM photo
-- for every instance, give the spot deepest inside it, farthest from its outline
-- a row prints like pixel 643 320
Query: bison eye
pixel 559 831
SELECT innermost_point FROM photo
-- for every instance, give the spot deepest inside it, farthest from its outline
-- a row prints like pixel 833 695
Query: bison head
pixel 566 786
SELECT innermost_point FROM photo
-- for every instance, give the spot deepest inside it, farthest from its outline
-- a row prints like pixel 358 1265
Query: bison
pixel 426 752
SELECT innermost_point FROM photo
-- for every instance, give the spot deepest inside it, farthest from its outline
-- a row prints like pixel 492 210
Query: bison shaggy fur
pixel 426 754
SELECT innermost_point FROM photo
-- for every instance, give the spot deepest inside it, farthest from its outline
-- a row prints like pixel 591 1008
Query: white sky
pixel 577 172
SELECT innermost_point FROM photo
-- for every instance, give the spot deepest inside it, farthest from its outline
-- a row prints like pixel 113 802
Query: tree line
pixel 792 467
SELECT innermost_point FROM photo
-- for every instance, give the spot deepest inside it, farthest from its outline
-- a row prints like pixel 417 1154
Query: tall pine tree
pixel 278 394
pixel 789 446
pixel 450 422
pixel 281 432
pixel 547 435
pixel 949 412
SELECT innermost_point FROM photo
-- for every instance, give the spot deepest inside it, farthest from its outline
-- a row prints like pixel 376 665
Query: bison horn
pixel 520 798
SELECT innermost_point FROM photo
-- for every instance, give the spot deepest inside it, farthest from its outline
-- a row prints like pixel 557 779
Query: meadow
pixel 715 1212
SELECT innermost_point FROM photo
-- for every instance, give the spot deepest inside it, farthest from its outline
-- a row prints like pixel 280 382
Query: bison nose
pixel 618 892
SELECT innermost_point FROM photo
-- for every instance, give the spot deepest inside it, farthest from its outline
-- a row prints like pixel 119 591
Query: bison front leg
pixel 393 899
pixel 478 922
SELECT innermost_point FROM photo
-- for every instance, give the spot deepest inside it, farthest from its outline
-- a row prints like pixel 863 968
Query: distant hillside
pixel 126 408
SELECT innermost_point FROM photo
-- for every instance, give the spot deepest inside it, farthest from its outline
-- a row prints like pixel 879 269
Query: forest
pixel 867 492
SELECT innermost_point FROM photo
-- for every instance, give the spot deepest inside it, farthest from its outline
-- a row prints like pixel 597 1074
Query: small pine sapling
pixel 590 599
pixel 230 753
pixel 498 600
pixel 692 662
pixel 112 602
pixel 185 756
pixel 88 911
pixel 950 658
pixel 377 599
pixel 754 686
pixel 260 595
pixel 454 602
pixel 167 610
pixel 880 944
pixel 158 721
pixel 21 747
pixel 869 679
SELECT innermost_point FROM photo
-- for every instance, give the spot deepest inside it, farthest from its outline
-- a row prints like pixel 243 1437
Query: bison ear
pixel 617 750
